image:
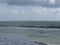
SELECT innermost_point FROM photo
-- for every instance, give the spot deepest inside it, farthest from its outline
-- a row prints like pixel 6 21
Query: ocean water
pixel 32 30
pixel 49 36
pixel 30 23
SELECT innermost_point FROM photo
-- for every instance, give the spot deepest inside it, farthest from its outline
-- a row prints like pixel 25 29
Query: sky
pixel 29 10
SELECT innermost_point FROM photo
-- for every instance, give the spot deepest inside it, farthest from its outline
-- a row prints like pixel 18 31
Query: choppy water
pixel 30 23
pixel 15 40
pixel 50 36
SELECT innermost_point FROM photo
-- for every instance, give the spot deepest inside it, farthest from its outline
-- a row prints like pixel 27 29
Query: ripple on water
pixel 16 40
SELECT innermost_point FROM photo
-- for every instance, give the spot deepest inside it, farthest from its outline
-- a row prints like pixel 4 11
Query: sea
pixel 36 31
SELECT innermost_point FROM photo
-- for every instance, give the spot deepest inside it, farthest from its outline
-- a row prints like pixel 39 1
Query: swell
pixel 30 26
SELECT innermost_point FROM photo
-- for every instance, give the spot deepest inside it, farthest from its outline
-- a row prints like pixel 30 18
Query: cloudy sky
pixel 29 10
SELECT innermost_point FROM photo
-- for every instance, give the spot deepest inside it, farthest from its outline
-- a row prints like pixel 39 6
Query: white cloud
pixel 47 14
pixel 52 1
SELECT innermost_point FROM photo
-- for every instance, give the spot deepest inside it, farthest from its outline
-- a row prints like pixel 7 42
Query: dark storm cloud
pixel 43 3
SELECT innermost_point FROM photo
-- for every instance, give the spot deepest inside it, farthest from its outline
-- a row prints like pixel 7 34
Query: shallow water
pixel 14 40
pixel 50 36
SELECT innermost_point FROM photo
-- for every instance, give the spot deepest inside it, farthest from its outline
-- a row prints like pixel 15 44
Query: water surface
pixel 45 35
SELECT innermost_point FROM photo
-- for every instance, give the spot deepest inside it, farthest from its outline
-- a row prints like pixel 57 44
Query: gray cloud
pixel 43 3
pixel 28 13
